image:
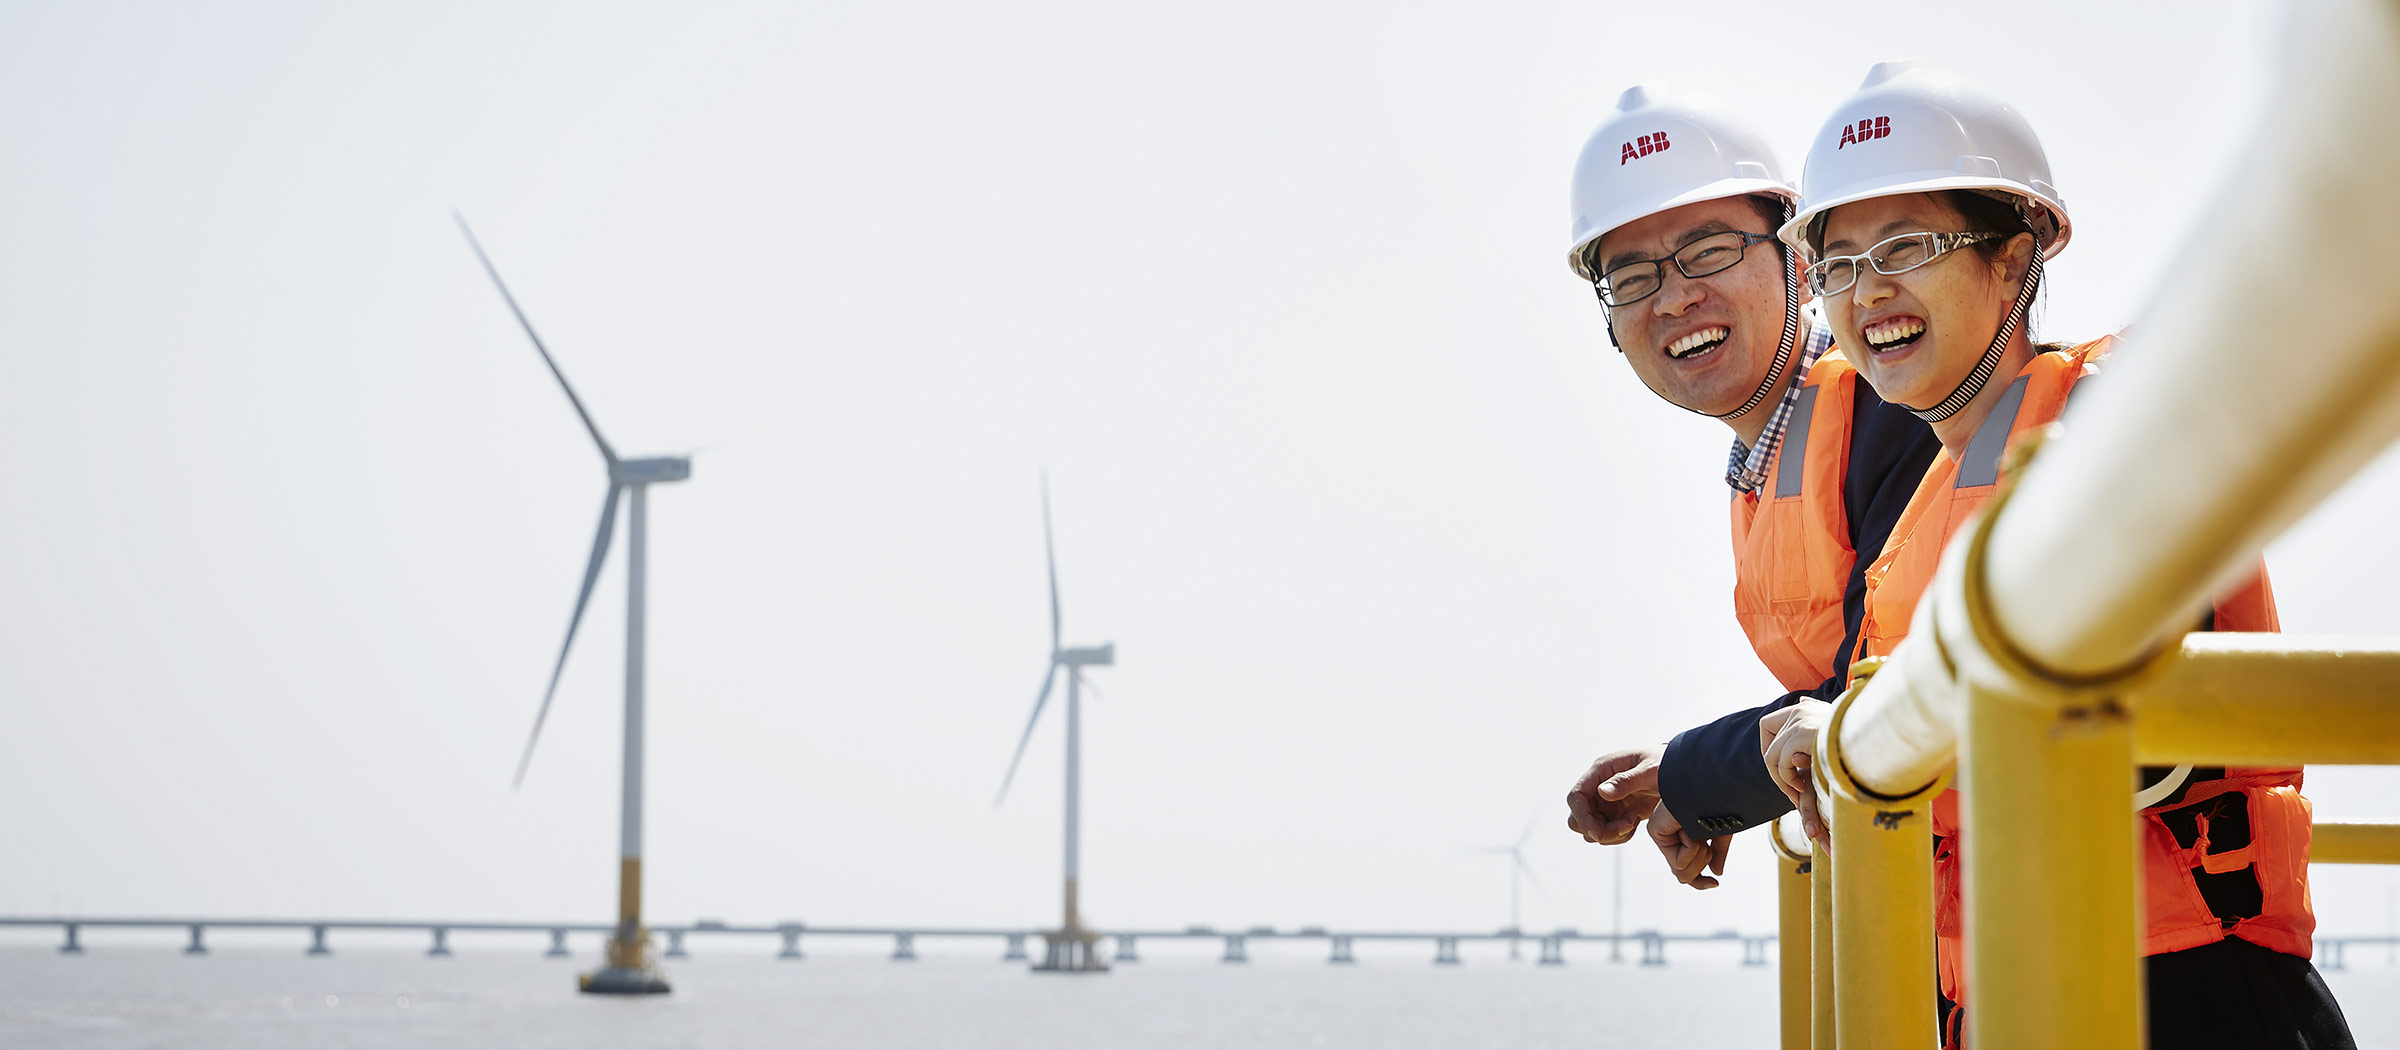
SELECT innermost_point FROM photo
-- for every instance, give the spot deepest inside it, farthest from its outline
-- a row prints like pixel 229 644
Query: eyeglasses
pixel 1642 278
pixel 1895 255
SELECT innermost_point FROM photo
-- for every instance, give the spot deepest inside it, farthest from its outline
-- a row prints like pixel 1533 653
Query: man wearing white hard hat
pixel 1930 208
pixel 1675 204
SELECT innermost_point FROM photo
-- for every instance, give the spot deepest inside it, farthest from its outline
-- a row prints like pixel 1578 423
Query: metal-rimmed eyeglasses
pixel 1642 278
pixel 1834 275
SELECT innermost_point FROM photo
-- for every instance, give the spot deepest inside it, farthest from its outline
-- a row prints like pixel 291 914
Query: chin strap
pixel 1990 362
pixel 1783 351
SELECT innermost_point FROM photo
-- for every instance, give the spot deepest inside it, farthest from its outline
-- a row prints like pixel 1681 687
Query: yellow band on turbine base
pixel 629 947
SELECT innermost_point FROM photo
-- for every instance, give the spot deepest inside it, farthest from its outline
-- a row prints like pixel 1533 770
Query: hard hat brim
pixel 1795 232
pixel 1642 209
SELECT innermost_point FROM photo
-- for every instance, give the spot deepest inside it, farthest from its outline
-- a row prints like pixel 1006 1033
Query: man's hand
pixel 1692 860
pixel 1787 742
pixel 1615 795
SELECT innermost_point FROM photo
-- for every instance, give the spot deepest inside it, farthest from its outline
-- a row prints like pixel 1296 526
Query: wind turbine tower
pixel 630 970
pixel 1072 949
pixel 1516 868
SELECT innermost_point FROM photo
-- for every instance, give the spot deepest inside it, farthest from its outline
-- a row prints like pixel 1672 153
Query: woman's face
pixel 1916 335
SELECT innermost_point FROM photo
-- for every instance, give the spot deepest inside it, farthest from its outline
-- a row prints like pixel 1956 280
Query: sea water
pixel 734 995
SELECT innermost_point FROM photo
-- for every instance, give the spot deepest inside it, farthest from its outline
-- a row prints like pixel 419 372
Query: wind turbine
pixel 1071 948
pixel 630 969
pixel 1516 867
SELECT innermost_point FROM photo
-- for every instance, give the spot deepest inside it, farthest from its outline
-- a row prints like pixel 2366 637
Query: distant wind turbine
pixel 1071 949
pixel 1516 867
pixel 630 969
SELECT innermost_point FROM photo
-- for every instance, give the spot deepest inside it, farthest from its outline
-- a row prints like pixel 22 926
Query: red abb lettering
pixel 1865 130
pixel 1642 146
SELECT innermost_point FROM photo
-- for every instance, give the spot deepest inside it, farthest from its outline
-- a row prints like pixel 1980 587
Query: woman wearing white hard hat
pixel 1928 210
pixel 1675 206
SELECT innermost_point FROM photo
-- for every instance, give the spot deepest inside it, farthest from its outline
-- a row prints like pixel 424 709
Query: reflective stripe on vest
pixel 1790 469
pixel 1981 464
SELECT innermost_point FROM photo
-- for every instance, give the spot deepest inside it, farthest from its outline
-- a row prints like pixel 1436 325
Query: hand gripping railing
pixel 2049 657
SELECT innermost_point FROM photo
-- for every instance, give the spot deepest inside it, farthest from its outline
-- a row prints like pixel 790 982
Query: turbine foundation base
pixel 623 980
pixel 1071 951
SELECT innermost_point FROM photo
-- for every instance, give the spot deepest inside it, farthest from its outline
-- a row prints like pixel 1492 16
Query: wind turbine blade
pixel 1038 700
pixel 591 576
pixel 1536 879
pixel 1087 684
pixel 606 452
pixel 1050 552
pixel 1528 832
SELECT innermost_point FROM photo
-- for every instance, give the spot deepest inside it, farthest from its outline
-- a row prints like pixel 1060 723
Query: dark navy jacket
pixel 1712 777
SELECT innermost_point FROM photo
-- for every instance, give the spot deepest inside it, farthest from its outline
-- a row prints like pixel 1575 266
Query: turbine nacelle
pixel 650 471
pixel 1093 656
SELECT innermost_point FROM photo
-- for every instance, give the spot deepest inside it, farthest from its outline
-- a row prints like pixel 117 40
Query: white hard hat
pixel 1663 150
pixel 1913 128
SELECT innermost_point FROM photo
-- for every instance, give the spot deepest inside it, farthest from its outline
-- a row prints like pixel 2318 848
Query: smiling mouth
pixel 1884 337
pixel 1699 342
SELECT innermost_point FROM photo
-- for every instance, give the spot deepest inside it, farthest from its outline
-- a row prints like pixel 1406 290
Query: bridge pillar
pixel 73 946
pixel 1125 949
pixel 791 944
pixel 1445 951
pixel 1554 951
pixel 1754 951
pixel 675 945
pixel 1616 947
pixel 1654 949
pixel 2332 956
pixel 196 947
pixel 904 947
pixel 1341 950
pixel 1236 949
pixel 316 941
pixel 1016 948
pixel 558 945
pixel 441 944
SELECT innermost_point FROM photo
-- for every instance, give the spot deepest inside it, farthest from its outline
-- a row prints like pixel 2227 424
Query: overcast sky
pixel 1390 543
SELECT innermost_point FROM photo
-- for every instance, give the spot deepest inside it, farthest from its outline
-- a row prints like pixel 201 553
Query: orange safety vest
pixel 1791 542
pixel 2261 818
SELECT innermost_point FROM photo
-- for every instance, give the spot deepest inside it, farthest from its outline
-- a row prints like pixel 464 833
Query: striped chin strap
pixel 1783 352
pixel 1990 362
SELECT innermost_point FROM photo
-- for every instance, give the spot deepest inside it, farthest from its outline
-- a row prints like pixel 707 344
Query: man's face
pixel 1703 343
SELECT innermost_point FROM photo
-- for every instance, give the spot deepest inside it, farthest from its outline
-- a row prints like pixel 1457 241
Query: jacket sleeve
pixel 1712 777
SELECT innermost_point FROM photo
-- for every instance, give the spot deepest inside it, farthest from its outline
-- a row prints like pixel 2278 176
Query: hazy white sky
pixel 1389 541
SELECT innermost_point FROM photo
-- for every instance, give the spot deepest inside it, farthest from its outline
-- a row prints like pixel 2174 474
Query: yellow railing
pixel 1806 931
pixel 2050 657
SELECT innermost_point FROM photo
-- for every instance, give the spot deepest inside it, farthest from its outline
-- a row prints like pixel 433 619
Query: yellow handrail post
pixel 1820 952
pixel 2051 849
pixel 1882 902
pixel 2052 890
pixel 1794 942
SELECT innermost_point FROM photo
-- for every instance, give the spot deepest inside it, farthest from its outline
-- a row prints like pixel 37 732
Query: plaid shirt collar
pixel 1746 466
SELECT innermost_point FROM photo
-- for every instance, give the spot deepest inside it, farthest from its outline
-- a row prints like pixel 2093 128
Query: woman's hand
pixel 1787 742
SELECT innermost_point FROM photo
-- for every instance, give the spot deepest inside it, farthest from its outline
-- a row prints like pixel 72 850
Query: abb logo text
pixel 1864 131
pixel 1642 147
